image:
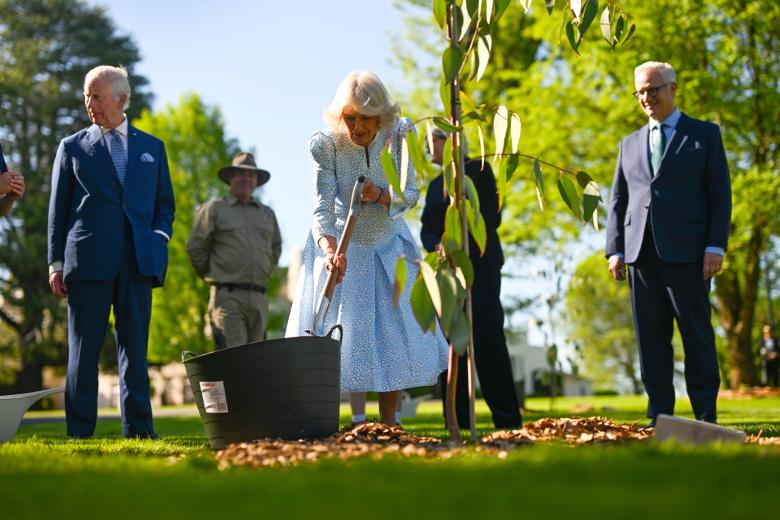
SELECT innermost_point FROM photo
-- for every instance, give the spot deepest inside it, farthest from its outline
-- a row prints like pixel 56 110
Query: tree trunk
pixel 737 301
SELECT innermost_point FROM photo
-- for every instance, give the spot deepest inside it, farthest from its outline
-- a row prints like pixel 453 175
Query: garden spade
pixel 323 302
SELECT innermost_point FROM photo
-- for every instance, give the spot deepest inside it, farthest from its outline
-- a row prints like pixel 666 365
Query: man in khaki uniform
pixel 234 245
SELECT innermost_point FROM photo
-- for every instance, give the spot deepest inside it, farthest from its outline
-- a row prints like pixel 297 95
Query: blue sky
pixel 270 66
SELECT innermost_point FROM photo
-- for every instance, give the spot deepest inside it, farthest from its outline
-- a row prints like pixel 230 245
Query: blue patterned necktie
pixel 118 156
pixel 659 145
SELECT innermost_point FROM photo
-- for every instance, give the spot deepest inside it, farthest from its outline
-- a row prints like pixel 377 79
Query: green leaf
pixel 590 200
pixel 508 167
pixel 388 166
pixel 444 124
pixel 422 305
pixel 483 55
pixel 501 6
pixel 572 34
pixel 628 34
pixel 465 270
pixel 448 290
pixel 481 147
pixel 476 226
pixel 421 163
pixel 583 179
pixel 440 13
pixel 569 195
pixel 404 176
pixel 429 276
pixel 471 190
pixel 606 26
pixel 549 4
pixel 576 8
pixel 446 96
pixel 460 333
pixel 453 230
pixel 429 135
pixel 451 61
pixel 473 7
pixel 619 28
pixel 446 162
pixel 467 102
pixel 515 127
pixel 433 259
pixel 399 283
pixel 473 65
pixel 539 184
pixel 465 21
pixel 488 10
pixel 591 10
pixel 500 126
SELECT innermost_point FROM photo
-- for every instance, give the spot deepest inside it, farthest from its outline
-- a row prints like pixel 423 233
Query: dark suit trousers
pixel 89 304
pixel 490 356
pixel 660 294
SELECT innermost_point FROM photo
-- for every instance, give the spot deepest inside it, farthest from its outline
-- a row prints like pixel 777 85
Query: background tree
pixel 575 109
pixel 600 321
pixel 46 49
pixel 195 140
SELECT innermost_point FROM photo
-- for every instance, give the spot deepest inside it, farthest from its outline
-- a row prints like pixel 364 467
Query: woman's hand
pixel 373 194
pixel 336 263
pixel 12 184
pixel 17 186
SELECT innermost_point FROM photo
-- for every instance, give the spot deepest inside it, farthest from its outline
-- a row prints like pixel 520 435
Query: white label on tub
pixel 214 399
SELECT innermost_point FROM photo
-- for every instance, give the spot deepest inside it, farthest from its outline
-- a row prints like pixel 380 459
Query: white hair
pixel 363 91
pixel 120 86
pixel 667 71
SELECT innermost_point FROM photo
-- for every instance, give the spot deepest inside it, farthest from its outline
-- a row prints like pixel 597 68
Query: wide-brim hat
pixel 244 161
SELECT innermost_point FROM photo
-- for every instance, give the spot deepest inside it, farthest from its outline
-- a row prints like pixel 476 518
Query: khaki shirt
pixel 233 242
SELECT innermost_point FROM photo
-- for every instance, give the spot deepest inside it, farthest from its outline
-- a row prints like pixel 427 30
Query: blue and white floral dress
pixel 383 348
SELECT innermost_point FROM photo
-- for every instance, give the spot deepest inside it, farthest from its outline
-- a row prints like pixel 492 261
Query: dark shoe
pixel 144 435
pixel 651 424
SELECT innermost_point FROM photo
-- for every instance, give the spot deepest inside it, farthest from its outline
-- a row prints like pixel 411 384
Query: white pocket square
pixel 146 157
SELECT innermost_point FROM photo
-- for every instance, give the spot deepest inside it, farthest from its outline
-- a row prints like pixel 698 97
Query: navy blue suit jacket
pixel 688 202
pixel 436 208
pixel 89 207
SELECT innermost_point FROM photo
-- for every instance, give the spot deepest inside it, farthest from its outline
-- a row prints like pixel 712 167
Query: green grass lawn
pixel 42 474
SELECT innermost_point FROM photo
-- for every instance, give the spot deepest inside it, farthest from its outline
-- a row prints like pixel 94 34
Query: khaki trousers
pixel 237 316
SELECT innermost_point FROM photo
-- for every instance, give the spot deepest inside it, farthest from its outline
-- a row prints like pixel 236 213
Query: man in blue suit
pixel 110 219
pixel 669 219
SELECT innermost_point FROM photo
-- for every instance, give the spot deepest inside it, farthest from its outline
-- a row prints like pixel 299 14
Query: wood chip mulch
pixel 766 441
pixel 574 430
pixel 378 440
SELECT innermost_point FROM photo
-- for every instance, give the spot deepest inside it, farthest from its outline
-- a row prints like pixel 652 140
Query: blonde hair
pixel 363 91
pixel 667 71
pixel 116 75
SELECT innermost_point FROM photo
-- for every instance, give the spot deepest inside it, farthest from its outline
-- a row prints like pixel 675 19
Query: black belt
pixel 242 287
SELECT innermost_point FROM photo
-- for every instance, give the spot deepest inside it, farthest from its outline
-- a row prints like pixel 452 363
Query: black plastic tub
pixel 284 388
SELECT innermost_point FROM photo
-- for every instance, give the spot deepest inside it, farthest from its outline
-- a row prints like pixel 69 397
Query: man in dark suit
pixel 491 357
pixel 669 219
pixel 110 219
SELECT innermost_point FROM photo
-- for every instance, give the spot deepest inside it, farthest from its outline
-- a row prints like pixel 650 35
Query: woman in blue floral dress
pixel 384 349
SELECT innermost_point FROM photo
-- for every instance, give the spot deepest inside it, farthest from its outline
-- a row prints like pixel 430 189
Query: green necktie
pixel 659 145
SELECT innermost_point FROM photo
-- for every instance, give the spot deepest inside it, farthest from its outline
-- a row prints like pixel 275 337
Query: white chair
pixel 13 407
